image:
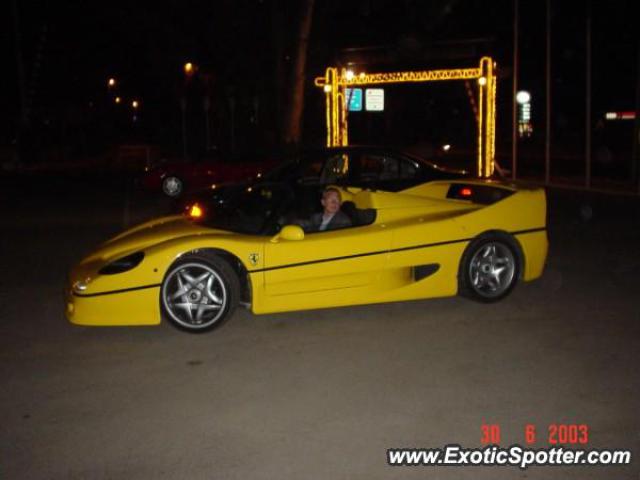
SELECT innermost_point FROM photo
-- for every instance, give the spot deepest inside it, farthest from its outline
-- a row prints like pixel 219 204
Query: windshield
pixel 313 168
pixel 249 210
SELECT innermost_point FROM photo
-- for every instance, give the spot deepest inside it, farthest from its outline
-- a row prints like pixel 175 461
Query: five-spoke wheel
pixel 489 268
pixel 199 292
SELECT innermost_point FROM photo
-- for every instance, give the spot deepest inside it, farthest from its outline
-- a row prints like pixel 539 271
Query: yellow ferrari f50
pixel 442 238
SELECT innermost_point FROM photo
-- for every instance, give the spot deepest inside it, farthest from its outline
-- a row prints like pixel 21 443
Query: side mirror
pixel 289 232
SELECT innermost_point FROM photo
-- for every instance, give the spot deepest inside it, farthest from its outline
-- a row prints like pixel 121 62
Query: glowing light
pixel 349 75
pixel 523 97
pixel 195 211
pixel 630 115
pixel 135 104
pixel 111 82
pixel 410 76
pixel 213 186
pixel 466 192
pixel 334 85
pixel 118 100
pixel 446 147
pixel 189 68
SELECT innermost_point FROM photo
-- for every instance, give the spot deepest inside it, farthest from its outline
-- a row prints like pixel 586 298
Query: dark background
pixel 244 52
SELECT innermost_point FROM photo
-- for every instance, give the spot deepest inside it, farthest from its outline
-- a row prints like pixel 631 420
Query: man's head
pixel 331 200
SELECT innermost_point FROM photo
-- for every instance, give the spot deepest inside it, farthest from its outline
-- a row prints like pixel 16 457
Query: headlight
pixel 122 264
pixel 80 286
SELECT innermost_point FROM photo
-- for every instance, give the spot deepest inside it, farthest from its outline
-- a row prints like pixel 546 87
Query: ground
pixel 320 394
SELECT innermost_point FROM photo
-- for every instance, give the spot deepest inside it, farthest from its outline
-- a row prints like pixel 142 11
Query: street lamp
pixel 523 97
pixel 189 69
pixel 111 82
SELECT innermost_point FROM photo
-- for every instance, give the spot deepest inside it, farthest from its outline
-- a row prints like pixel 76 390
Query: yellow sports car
pixel 246 246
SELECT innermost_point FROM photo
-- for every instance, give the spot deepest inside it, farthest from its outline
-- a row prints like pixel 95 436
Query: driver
pixel 331 216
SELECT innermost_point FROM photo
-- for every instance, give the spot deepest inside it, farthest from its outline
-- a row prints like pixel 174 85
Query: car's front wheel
pixel 489 268
pixel 172 186
pixel 199 292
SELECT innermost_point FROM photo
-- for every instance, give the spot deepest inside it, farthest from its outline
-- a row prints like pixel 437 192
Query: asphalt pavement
pixel 311 395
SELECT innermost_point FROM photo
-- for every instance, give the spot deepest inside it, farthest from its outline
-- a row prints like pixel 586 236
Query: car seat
pixel 358 216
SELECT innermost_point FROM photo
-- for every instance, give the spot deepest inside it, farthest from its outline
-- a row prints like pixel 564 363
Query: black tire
pixel 490 268
pixel 172 186
pixel 199 292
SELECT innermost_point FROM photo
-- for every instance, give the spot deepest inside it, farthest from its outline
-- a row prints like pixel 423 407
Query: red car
pixel 173 178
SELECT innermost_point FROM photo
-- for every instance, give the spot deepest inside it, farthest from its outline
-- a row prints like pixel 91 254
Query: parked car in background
pixel 174 177
pixel 305 174
pixel 372 167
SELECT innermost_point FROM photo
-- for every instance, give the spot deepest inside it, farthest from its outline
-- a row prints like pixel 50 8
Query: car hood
pixel 150 233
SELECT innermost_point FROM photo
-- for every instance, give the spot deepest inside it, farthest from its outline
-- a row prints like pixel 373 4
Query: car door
pixel 329 261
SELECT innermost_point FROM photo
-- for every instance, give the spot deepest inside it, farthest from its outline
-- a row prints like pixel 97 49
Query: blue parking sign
pixel 353 98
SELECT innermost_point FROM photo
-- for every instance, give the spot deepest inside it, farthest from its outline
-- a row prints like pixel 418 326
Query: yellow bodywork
pixel 359 265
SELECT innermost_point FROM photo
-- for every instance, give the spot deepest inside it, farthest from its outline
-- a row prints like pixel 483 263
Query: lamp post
pixel 183 108
pixel 514 86
pixel 206 103
pixel 135 105
pixel 547 147
pixel 232 122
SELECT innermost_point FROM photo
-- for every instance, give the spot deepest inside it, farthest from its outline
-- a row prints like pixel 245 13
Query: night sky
pixel 244 50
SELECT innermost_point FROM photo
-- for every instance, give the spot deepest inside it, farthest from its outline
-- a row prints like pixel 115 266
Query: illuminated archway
pixel 336 81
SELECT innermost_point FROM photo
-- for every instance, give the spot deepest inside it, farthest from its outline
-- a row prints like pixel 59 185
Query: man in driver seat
pixel 331 217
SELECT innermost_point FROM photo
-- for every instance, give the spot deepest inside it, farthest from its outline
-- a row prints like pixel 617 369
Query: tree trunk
pixel 279 71
pixel 23 119
pixel 295 108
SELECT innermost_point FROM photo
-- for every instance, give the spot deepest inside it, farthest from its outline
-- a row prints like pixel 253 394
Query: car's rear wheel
pixel 199 293
pixel 489 268
pixel 172 186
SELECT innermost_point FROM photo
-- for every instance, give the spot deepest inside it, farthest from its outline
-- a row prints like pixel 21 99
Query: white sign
pixel 374 99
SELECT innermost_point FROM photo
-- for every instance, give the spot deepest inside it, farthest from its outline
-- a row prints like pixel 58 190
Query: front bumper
pixel 130 307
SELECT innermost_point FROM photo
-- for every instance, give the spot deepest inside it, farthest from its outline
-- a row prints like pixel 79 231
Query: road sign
pixel 374 99
pixel 353 99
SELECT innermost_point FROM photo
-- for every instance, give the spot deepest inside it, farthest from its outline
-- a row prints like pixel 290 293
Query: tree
pixel 295 109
